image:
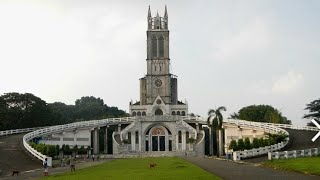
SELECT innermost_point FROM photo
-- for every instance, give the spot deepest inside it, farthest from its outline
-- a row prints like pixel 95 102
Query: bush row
pixel 53 150
pixel 246 144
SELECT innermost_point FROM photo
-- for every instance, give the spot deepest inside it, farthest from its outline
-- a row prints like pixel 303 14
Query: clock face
pixel 158 82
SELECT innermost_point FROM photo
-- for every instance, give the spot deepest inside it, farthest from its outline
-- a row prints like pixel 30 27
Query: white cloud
pixel 250 39
pixel 287 82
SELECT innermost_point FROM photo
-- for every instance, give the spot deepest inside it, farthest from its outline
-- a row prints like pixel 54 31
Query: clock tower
pixel 158 89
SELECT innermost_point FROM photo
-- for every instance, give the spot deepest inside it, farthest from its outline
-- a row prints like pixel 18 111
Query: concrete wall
pixel 76 137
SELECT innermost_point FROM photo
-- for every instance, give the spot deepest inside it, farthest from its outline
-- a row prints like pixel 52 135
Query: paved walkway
pixel 232 170
pixel 13 156
pixel 37 173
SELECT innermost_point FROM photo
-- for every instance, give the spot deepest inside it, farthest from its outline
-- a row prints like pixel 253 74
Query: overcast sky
pixel 231 53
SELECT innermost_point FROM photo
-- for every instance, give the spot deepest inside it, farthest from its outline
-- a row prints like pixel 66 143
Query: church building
pixel 159 124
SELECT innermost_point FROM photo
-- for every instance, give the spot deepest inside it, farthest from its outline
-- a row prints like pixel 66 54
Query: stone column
pixel 133 141
pixel 177 142
pixel 197 127
pixel 119 128
pixel 96 141
pixel 106 141
pixel 183 140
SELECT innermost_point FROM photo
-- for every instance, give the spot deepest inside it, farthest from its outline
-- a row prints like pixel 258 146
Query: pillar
pixel 183 140
pixel 197 127
pixel 119 128
pixel 133 141
pixel 106 141
pixel 96 141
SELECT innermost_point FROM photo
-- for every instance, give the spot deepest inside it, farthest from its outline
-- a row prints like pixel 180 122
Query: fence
pixel 294 154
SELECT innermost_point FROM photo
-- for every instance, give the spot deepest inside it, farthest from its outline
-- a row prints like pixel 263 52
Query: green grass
pixel 167 168
pixel 307 165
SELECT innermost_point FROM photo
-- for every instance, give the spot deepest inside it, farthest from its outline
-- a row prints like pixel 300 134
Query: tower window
pixel 154 46
pixel 161 46
pixel 179 137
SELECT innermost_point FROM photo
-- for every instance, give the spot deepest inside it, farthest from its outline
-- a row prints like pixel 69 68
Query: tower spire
pixel 165 12
pixel 149 12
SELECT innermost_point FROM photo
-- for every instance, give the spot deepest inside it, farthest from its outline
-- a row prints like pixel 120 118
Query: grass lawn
pixel 309 165
pixel 167 168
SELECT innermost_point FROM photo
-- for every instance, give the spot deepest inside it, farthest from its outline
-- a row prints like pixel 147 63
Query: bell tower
pixel 159 88
pixel 158 80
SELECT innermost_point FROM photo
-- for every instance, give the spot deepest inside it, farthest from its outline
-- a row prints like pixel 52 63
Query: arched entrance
pixel 158 112
pixel 158 139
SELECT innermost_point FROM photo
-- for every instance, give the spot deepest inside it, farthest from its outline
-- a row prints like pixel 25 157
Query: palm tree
pixel 216 124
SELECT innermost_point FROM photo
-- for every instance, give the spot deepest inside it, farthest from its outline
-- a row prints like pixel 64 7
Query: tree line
pixel 26 110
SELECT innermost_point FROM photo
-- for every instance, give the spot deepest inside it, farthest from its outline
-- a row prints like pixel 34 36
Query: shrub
pixel 241 145
pixel 255 143
pixel 262 142
pixel 247 143
pixel 233 145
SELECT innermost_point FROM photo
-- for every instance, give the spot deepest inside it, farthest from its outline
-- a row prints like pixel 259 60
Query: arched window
pixel 178 113
pixel 154 46
pixel 139 113
pixel 179 137
pixel 134 114
pixel 143 113
pixel 183 113
pixel 137 137
pixel 173 113
pixel 158 112
pixel 161 46
pixel 129 137
pixel 187 137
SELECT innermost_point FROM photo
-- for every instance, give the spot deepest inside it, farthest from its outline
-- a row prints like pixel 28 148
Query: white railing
pixel 125 130
pixel 18 131
pixel 60 128
pixel 190 129
pixel 294 154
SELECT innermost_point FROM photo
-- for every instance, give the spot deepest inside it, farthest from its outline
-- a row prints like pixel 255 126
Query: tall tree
pixel 216 126
pixel 314 111
pixel 261 113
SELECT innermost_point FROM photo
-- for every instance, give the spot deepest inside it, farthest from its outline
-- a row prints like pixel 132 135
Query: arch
pixel 154 46
pixel 161 46
pixel 179 137
pixel 139 113
pixel 134 113
pixel 178 113
pixel 153 112
pixel 143 113
pixel 173 113
pixel 149 128
pixel 158 112
pixel 183 113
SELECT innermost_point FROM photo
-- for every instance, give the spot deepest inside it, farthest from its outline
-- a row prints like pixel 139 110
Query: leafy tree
pixel 51 150
pixel 63 149
pixel 233 145
pixel 215 125
pixel 261 113
pixel 262 142
pixel 247 143
pixel 67 149
pixel 241 145
pixel 57 150
pixel 314 111
pixel 255 143
pixel 75 149
pixel 82 150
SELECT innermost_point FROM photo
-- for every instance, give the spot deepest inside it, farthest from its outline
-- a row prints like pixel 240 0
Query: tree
pixel 216 125
pixel 247 143
pixel 314 111
pixel 233 145
pixel 22 111
pixel 67 149
pixel 261 113
pixel 75 149
pixel 241 145
pixel 57 150
pixel 255 143
pixel 51 150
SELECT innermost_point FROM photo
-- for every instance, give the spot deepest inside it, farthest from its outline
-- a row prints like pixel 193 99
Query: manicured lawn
pixel 167 168
pixel 309 165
